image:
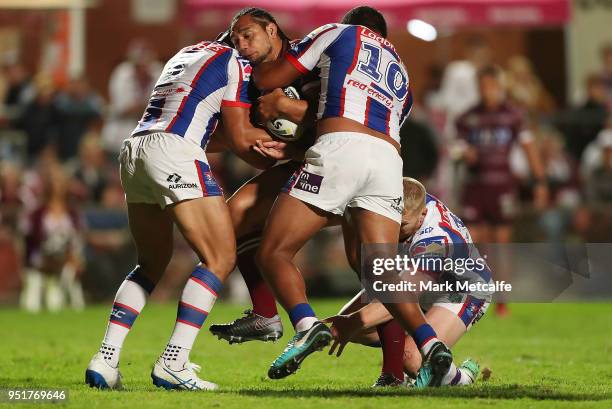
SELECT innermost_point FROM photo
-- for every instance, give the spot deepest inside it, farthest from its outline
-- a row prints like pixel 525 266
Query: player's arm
pixel 278 105
pixel 216 143
pixel 275 74
pixel 540 188
pixel 297 61
pixel 241 136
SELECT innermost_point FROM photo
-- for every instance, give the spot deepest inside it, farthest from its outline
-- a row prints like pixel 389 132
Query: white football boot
pixel 186 378
pixel 100 374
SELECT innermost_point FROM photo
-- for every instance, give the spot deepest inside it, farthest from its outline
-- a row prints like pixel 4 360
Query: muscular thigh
pixel 290 224
pixel 250 205
pixel 151 229
pixel 206 225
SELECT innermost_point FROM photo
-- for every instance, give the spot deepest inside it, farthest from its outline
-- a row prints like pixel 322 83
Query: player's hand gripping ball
pixel 282 128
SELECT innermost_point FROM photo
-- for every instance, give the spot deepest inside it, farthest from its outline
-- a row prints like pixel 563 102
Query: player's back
pixel 362 76
pixel 193 86
pixel 444 235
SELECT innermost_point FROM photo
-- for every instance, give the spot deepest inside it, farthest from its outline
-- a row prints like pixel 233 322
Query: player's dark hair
pixel 261 17
pixel 368 17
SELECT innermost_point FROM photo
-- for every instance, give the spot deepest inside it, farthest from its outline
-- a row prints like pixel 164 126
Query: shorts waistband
pixel 355 136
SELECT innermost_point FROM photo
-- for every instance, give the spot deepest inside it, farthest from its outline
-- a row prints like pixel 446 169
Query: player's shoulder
pixel 327 28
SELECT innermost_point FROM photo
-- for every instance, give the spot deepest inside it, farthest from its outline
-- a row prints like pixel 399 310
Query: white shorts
pixel 164 168
pixel 350 169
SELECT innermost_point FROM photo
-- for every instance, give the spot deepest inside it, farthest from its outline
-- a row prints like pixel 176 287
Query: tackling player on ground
pixel 354 166
pixel 167 181
pixel 431 232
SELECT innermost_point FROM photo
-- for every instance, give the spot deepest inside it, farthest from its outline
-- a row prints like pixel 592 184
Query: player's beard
pixel 264 56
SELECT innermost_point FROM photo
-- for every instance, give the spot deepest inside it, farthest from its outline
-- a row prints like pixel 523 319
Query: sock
pixel 393 339
pixel 425 337
pixel 302 317
pixel 456 376
pixel 197 299
pixel 129 301
pixel 262 297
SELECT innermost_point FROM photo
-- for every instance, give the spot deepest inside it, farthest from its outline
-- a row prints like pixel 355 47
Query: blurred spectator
pixel 606 56
pixel 525 89
pixel 79 107
pixel 10 205
pixel 19 90
pixel 54 247
pixel 92 171
pixel 10 197
pixel 130 86
pixel 459 90
pixel 40 118
pixel 599 180
pixel 582 124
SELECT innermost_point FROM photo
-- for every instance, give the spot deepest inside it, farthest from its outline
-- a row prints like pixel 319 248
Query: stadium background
pixel 57 111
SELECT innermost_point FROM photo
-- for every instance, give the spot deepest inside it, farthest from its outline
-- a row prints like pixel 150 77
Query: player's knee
pixel 222 262
pixel 238 207
pixel 154 265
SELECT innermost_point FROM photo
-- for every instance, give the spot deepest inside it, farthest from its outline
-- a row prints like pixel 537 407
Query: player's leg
pixel 290 225
pixel 206 225
pixel 374 228
pixel 249 208
pixel 151 230
pixel 451 321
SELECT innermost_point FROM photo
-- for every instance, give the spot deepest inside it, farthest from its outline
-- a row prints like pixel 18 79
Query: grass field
pixel 542 356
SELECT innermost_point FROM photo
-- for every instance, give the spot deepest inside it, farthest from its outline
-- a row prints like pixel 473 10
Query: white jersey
pixel 362 76
pixel 191 90
pixel 445 238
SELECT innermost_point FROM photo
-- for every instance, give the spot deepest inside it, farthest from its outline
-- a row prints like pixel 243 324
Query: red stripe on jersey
pixel 355 52
pixel 296 63
pixel 367 112
pixel 195 80
pixel 226 103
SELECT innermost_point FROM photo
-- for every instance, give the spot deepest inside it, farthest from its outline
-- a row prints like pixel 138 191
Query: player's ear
pixel 272 30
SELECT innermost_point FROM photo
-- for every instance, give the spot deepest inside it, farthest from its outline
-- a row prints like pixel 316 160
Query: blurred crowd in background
pixel 62 210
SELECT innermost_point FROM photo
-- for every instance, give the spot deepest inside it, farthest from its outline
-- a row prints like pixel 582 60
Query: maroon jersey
pixel 493 134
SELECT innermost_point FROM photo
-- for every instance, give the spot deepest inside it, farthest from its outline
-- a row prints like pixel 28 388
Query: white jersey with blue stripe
pixel 191 90
pixel 362 76
pixel 443 236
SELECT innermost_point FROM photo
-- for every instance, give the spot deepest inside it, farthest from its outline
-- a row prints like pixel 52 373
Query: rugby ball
pixel 282 128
